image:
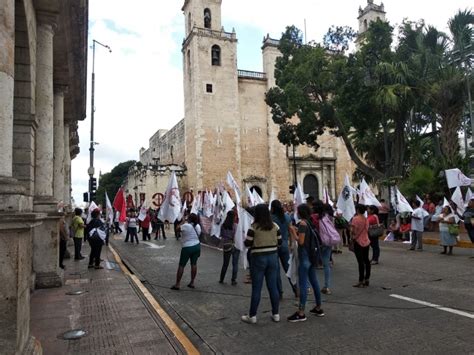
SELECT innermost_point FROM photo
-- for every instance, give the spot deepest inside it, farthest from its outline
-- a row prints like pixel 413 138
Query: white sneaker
pixel 276 318
pixel 248 319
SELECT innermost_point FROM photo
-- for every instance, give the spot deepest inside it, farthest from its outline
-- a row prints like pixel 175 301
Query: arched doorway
pixel 311 186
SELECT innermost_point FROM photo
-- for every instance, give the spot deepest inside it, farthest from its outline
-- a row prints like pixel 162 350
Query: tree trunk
pixel 398 147
pixel 449 137
pixel 366 169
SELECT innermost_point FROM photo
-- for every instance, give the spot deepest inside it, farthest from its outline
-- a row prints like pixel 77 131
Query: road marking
pixel 436 306
pixel 153 245
pixel 172 326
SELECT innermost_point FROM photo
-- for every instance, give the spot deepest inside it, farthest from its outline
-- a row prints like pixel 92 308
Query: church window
pixel 209 88
pixel 189 63
pixel 365 25
pixel 207 18
pixel 216 55
pixel 189 23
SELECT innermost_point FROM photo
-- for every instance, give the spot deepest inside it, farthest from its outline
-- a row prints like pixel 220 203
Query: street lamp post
pixel 294 166
pixel 91 171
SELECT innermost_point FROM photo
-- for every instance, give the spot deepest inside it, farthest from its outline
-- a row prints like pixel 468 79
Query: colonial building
pixel 227 124
pixel 43 50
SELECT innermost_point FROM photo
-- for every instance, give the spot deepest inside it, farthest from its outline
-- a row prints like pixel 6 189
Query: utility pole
pixel 91 171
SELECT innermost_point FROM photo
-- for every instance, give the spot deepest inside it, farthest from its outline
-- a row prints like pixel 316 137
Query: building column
pixel 46 236
pixel 44 110
pixel 7 69
pixel 58 164
pixel 67 168
pixel 15 227
pixel 10 190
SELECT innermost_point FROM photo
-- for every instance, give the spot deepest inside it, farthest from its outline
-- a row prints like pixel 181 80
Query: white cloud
pixel 139 84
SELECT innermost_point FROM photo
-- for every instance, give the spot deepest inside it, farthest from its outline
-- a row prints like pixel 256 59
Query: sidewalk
pixel 433 238
pixel 116 317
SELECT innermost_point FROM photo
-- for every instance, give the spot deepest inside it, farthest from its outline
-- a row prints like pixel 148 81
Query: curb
pixel 165 318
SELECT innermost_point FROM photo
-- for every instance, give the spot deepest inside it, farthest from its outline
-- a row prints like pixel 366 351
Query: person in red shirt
pixel 360 237
pixel 145 224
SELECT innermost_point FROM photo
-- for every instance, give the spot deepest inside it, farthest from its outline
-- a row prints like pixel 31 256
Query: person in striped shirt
pixel 263 239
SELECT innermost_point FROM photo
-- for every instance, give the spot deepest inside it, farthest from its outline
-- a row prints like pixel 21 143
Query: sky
pixel 138 87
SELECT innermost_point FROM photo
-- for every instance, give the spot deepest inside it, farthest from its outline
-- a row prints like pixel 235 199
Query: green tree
pixel 110 182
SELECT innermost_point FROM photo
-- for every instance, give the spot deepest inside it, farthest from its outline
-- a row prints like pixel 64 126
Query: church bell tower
pixel 212 135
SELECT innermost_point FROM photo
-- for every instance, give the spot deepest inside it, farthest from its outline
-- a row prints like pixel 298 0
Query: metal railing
pixel 251 74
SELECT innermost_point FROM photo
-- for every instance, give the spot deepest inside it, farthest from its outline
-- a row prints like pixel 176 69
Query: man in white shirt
pixel 417 226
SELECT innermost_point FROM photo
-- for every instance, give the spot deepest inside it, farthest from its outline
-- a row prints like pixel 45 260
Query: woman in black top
pixel 96 240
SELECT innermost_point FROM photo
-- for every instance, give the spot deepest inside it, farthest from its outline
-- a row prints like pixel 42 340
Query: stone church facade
pixel 227 124
pixel 43 56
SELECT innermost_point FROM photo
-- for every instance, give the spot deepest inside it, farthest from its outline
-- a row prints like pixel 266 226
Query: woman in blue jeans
pixel 306 269
pixel 263 239
pixel 325 252
pixel 284 222
pixel 227 236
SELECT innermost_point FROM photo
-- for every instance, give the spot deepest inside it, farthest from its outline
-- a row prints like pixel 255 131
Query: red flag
pixel 120 205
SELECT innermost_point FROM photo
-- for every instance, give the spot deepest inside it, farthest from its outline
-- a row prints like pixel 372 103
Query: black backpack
pixel 313 245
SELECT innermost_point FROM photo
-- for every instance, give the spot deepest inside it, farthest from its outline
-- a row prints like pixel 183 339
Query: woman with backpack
pixel 361 243
pixel 263 239
pixel 191 249
pixel 307 256
pixel 323 215
pixel 95 232
pixel 227 234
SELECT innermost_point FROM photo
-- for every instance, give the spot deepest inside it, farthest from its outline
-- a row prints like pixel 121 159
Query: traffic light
pixel 92 189
pixel 86 197
pixel 93 183
pixel 292 189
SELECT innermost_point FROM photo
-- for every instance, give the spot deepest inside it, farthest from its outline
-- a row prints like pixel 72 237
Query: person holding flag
pixel 190 251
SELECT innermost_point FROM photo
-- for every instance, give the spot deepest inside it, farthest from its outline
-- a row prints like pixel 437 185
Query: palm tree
pixel 461 27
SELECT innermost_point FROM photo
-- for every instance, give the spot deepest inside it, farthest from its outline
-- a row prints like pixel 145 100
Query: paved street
pixel 357 320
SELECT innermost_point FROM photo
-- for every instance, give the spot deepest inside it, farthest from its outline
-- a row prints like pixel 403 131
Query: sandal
pixel 174 287
pixel 191 286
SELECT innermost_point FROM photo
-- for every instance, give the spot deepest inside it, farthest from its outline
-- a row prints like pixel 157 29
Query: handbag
pixel 227 247
pixel 453 229
pixel 376 230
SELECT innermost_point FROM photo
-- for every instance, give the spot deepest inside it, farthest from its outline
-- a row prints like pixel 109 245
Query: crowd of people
pixel 280 238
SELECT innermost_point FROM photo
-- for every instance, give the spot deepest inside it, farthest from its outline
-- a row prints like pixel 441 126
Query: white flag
pixel 257 198
pixel 250 199
pixel 458 200
pixel 421 201
pixel 233 184
pixel 327 198
pixel 245 221
pixel 446 203
pixel 272 198
pixel 92 207
pixel 298 199
pixel 402 203
pixel 366 196
pixel 207 204
pixel 345 202
pixel 469 196
pixel 171 206
pixel 143 212
pixel 455 178
pixel 110 211
pixel 196 202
